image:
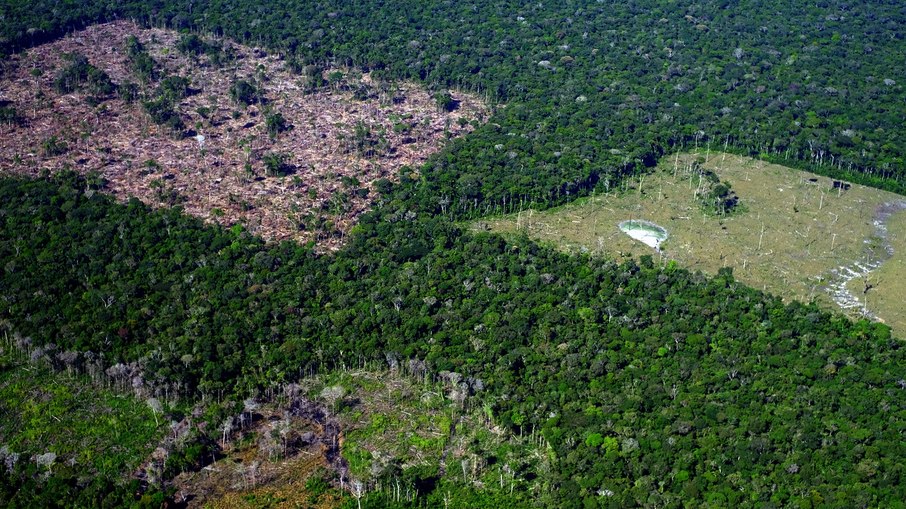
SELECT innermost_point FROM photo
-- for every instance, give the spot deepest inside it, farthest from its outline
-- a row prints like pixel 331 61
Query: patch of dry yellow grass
pixel 887 298
pixel 795 229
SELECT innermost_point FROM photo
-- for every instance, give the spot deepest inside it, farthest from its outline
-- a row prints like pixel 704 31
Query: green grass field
pixel 792 231
pixel 93 429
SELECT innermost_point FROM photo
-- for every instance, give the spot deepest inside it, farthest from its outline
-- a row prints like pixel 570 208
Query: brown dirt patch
pixel 257 470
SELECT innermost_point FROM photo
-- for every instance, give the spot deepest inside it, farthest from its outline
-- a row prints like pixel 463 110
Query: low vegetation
pixel 881 291
pixel 403 431
pixel 60 423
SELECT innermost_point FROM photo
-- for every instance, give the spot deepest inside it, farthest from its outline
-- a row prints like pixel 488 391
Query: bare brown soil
pixel 249 475
pixel 211 179
pixel 248 472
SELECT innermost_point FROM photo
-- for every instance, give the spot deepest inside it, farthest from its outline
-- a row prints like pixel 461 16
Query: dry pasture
pixel 884 290
pixel 795 238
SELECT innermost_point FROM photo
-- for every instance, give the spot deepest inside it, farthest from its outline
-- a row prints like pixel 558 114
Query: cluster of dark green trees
pixel 652 385
pixel 714 195
pixel 159 104
pixel 79 75
pixel 68 489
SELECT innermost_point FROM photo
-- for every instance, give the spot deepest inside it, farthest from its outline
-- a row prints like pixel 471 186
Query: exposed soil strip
pixel 875 255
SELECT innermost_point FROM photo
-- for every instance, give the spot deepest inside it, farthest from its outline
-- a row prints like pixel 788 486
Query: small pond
pixel 645 232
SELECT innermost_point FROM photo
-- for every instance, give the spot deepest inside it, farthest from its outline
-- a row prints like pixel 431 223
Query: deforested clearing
pixel 288 150
pixel 795 234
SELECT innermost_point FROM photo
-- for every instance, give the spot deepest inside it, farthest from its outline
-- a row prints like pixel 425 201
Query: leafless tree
pixel 358 491
pixel 8 458
pixel 156 408
pixel 46 460
pixel 248 408
pixel 332 395
pixel 226 427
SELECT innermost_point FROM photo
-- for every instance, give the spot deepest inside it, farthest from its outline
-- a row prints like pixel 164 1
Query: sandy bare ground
pixel 223 178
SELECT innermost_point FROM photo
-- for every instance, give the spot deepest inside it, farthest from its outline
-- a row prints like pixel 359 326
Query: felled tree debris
pixel 289 155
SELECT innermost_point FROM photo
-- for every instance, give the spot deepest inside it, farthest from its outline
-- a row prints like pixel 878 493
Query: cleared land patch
pixel 382 423
pixel 793 235
pixel 230 133
pixel 275 459
pixel 52 415
pixel 883 290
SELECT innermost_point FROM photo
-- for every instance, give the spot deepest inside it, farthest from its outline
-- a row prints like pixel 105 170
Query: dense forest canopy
pixel 651 385
pixel 635 373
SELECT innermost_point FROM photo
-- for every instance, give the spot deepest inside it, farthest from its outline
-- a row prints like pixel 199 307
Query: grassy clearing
pixel 886 298
pixel 95 430
pixel 793 229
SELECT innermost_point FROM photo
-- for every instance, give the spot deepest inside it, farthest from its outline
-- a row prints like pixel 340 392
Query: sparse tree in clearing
pixel 358 491
pixel 226 427
pixel 174 88
pixel 8 115
pixel 275 124
pixel 53 146
pixel 245 93
pixel 275 164
pixel 162 113
pixel 156 408
pixel 333 394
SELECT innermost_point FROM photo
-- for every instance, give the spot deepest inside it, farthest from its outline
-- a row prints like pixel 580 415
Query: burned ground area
pixel 234 135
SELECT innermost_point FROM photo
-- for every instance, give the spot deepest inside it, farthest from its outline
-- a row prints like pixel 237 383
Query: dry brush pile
pixel 296 158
